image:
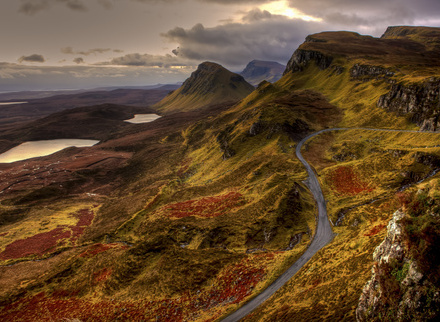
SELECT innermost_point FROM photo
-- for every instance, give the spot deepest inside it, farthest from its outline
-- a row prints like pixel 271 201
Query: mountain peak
pixel 210 84
pixel 258 70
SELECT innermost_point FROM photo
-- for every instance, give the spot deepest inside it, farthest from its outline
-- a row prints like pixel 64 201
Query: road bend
pixel 323 234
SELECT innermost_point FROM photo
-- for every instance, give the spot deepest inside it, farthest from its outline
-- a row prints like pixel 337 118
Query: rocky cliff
pixel 301 58
pixel 398 289
pixel 418 100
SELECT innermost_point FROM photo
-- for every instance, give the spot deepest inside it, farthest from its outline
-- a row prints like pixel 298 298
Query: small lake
pixel 33 149
pixel 143 118
pixel 11 103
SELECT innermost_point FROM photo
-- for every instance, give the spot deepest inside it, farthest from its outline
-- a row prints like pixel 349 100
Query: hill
pixel 37 108
pixel 90 122
pixel 209 84
pixel 257 71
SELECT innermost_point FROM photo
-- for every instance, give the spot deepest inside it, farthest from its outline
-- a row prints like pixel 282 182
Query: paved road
pixel 323 235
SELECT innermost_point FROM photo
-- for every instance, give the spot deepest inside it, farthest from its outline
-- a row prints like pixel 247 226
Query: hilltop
pixel 210 84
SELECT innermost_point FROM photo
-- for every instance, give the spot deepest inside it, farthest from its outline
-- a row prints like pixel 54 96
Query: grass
pixel 329 285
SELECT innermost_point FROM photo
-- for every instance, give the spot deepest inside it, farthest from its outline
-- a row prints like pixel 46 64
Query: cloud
pixel 69 51
pixel 78 60
pixel 15 77
pixel 31 7
pixel 371 13
pixel 256 15
pixel 266 37
pixel 35 58
pixel 163 61
pixel 238 1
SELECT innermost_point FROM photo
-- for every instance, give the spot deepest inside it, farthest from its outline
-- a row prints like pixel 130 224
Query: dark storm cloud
pixel 31 7
pixel 256 15
pixel 78 60
pixel 35 58
pixel 150 61
pixel 69 50
pixel 236 44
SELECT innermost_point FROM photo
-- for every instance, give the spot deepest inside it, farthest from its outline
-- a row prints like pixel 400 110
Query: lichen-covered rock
pixel 419 100
pixel 368 72
pixel 391 247
pixel 397 290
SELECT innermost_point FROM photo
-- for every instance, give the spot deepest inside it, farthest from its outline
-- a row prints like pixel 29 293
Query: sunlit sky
pixel 69 44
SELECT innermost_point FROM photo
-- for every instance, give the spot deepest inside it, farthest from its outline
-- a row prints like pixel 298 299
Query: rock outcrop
pixel 421 101
pixel 397 290
pixel 368 72
pixel 301 58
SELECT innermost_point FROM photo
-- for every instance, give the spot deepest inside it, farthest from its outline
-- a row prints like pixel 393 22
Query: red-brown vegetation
pixel 375 230
pixel 85 218
pixel 233 285
pixel 47 242
pixel 102 275
pixel 39 244
pixel 207 207
pixel 99 248
pixel 346 182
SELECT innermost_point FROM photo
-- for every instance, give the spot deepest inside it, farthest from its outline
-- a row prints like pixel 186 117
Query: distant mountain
pixel 258 70
pixel 210 84
pixel 27 95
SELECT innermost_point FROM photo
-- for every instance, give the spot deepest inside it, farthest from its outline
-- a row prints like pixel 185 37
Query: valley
pixel 260 204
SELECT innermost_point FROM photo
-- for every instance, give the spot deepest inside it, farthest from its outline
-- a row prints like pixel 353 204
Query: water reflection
pixel 34 149
pixel 143 118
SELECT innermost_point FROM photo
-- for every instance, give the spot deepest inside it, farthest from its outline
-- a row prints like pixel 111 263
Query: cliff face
pixel 302 57
pixel 397 290
pixel 420 100
pixel 368 72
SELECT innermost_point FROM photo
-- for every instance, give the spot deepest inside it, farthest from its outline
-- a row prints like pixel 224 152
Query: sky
pixel 76 44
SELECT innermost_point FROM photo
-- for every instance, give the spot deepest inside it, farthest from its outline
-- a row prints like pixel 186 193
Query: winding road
pixel 323 234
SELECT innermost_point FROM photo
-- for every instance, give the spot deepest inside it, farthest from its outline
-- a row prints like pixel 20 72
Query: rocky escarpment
pixel 369 72
pixel 301 58
pixel 397 290
pixel 419 100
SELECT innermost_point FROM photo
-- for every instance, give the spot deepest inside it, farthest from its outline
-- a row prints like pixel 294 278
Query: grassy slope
pixel 189 215
pixel 355 167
